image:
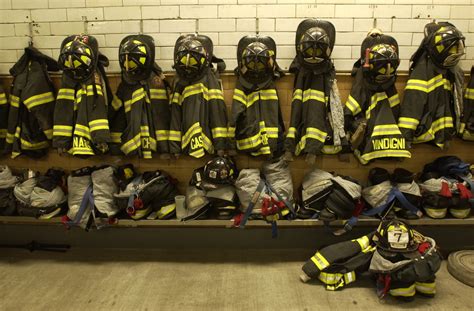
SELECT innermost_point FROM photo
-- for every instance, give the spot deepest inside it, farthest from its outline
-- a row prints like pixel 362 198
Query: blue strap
pixel 256 195
pixel 392 195
pixel 468 181
pixel 86 201
pixel 280 198
pixel 274 230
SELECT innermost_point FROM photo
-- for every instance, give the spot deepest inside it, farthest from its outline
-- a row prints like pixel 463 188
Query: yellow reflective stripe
pixel 249 142
pixel 291 132
pixel 131 145
pixel 116 103
pixel 193 129
pixel 385 153
pixel 62 130
pixel 175 136
pixel 424 137
pixel 99 124
pixel 262 151
pixel 10 137
pixel 320 261
pixel 330 278
pixel 363 242
pixel 116 137
pixel 90 90
pixel 442 123
pixel 427 86
pixel 145 130
pixel 136 96
pixel 405 292
pixel 39 99
pixel 147 154
pixel 298 94
pixel 162 135
pixel 353 105
pixel 330 149
pixel 14 101
pixel 197 153
pixel 158 94
pixel 312 132
pixel 469 94
pixel 32 146
pixel 81 130
pixel 409 123
pixel 195 89
pixel 3 133
pixel 374 100
pixel 231 132
pixel 65 93
pixel 462 127
pixel 3 99
pixel 394 100
pixel 240 98
pixel 81 151
pixel 388 129
pixel 311 94
pixel 250 99
pixel 48 133
pixel 219 132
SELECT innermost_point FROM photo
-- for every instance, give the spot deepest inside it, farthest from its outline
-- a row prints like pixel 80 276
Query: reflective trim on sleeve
pixel 136 96
pixel 131 145
pixel 353 105
pixel 33 146
pixel 65 93
pixel 14 101
pixel 262 151
pixel 116 103
pixel 62 130
pixel 39 99
pixel 83 131
pixel 162 135
pixel 426 288
pixel 3 99
pixel 291 133
pixel 320 261
pixel 409 123
pixel 363 242
pixel 387 129
pixel 403 291
pixel 158 94
pixel 374 100
pixel 297 95
pixel 428 86
pixel 99 124
pixel 116 137
pixel 469 94
pixel 196 89
pixel 442 123
pixel 394 100
pixel 175 136
pixel 311 94
pixel 219 132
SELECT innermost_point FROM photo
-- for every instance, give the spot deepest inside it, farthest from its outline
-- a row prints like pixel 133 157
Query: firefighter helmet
pixel 216 172
pixel 445 44
pixel 315 41
pixel 192 55
pixel 78 56
pixel 379 56
pixel 256 56
pixel 395 236
pixel 137 56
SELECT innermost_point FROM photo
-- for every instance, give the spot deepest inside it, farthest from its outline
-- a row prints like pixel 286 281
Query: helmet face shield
pixel 77 59
pixel 383 62
pixel 135 58
pixel 446 46
pixel 257 62
pixel 191 58
pixel 314 45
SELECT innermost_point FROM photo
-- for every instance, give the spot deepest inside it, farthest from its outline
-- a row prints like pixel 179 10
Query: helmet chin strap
pixel 126 62
pixel 188 58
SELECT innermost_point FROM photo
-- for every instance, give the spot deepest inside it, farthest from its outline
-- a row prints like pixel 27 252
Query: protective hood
pixel 314 183
pixel 278 175
pixel 350 186
pixel 7 180
pixel 377 195
pixel 246 185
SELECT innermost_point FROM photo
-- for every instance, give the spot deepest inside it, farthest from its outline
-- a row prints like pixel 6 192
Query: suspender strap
pixel 255 197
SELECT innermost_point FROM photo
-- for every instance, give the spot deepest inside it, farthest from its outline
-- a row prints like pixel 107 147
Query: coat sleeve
pixel 218 118
pixel 3 118
pixel 64 116
pixel 98 119
pixel 467 120
pixel 413 105
pixel 161 112
pixel 239 100
pixel 293 135
pixel 117 121
pixel 175 124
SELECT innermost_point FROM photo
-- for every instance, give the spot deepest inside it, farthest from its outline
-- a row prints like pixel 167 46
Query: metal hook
pixel 196 27
pixel 30 30
pixel 374 23
pixel 141 27
pixel 85 24
pixel 257 26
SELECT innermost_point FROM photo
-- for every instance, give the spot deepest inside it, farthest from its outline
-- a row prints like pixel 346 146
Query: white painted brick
pixel 14 16
pixel 276 11
pixel 55 53
pixel 398 11
pixel 344 64
pixel 342 24
pixel 417 38
pixel 465 65
pixel 179 2
pixel 178 26
pixel 113 40
pixel 67 28
pixel 413 1
pixel 217 2
pixel 374 2
pixel 39 29
pixel 226 52
pixel 248 24
pixel 45 42
pixel 404 65
pixel 383 24
pixel 284 38
pixel 140 2
pixel 285 51
pixel 231 38
pixel 222 25
pixel 461 24
pixel 355 52
pixel 49 15
pixel 8 56
pixel 471 26
pixel 407 51
pixel 313 10
pixel 105 27
pixel 431 11
pixel 297 1
pixel 7 30
pixel 291 24
pixel 13 43
pixel 350 38
pixel 469 39
pixel 67 3
pixel 452 1
pixel 90 13
pixel 101 3
pixel 130 27
pixel 470 53
pixel 5 4
pixel 403 38
pixel 336 1
pixel 237 11
pixel 409 25
pixel 257 1
pixel 111 53
pixel 359 11
pixel 166 65
pixel 121 13
pixel 29 4
pixel 231 64
pixel 166 53
pixel 5 67
pixel 160 12
pixel 114 67
pixel 165 39
pixel 214 38
pixel 198 11
pixel 341 52
pixel 462 11
pixel 150 26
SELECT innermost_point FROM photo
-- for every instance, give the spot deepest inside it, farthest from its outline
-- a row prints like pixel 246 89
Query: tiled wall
pixel 225 21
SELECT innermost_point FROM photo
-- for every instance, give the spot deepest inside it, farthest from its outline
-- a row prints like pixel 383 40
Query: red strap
pixel 423 247
pixel 464 193
pixel 445 192
pixel 360 205
pixel 238 219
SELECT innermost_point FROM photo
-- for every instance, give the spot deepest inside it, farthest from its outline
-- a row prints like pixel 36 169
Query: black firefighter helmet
pixel 78 56
pixel 444 43
pixel 379 56
pixel 192 55
pixel 315 41
pixel 395 236
pixel 256 57
pixel 217 172
pixel 137 56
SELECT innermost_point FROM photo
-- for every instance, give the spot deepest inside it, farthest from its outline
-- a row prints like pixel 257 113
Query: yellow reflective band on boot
pixel 403 291
pixel 116 137
pixel 39 99
pixel 320 261
pixel 353 105
pixel 426 288
pixel 460 213
pixel 436 213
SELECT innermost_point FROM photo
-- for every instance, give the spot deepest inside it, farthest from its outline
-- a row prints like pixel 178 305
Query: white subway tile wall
pixel 225 21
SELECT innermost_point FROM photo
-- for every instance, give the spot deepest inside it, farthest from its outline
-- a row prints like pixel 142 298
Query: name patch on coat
pixel 388 143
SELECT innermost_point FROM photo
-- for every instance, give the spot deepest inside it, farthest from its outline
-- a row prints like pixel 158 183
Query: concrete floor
pixel 92 279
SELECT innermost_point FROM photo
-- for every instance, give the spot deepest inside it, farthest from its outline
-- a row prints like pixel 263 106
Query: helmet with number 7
pixel 395 236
